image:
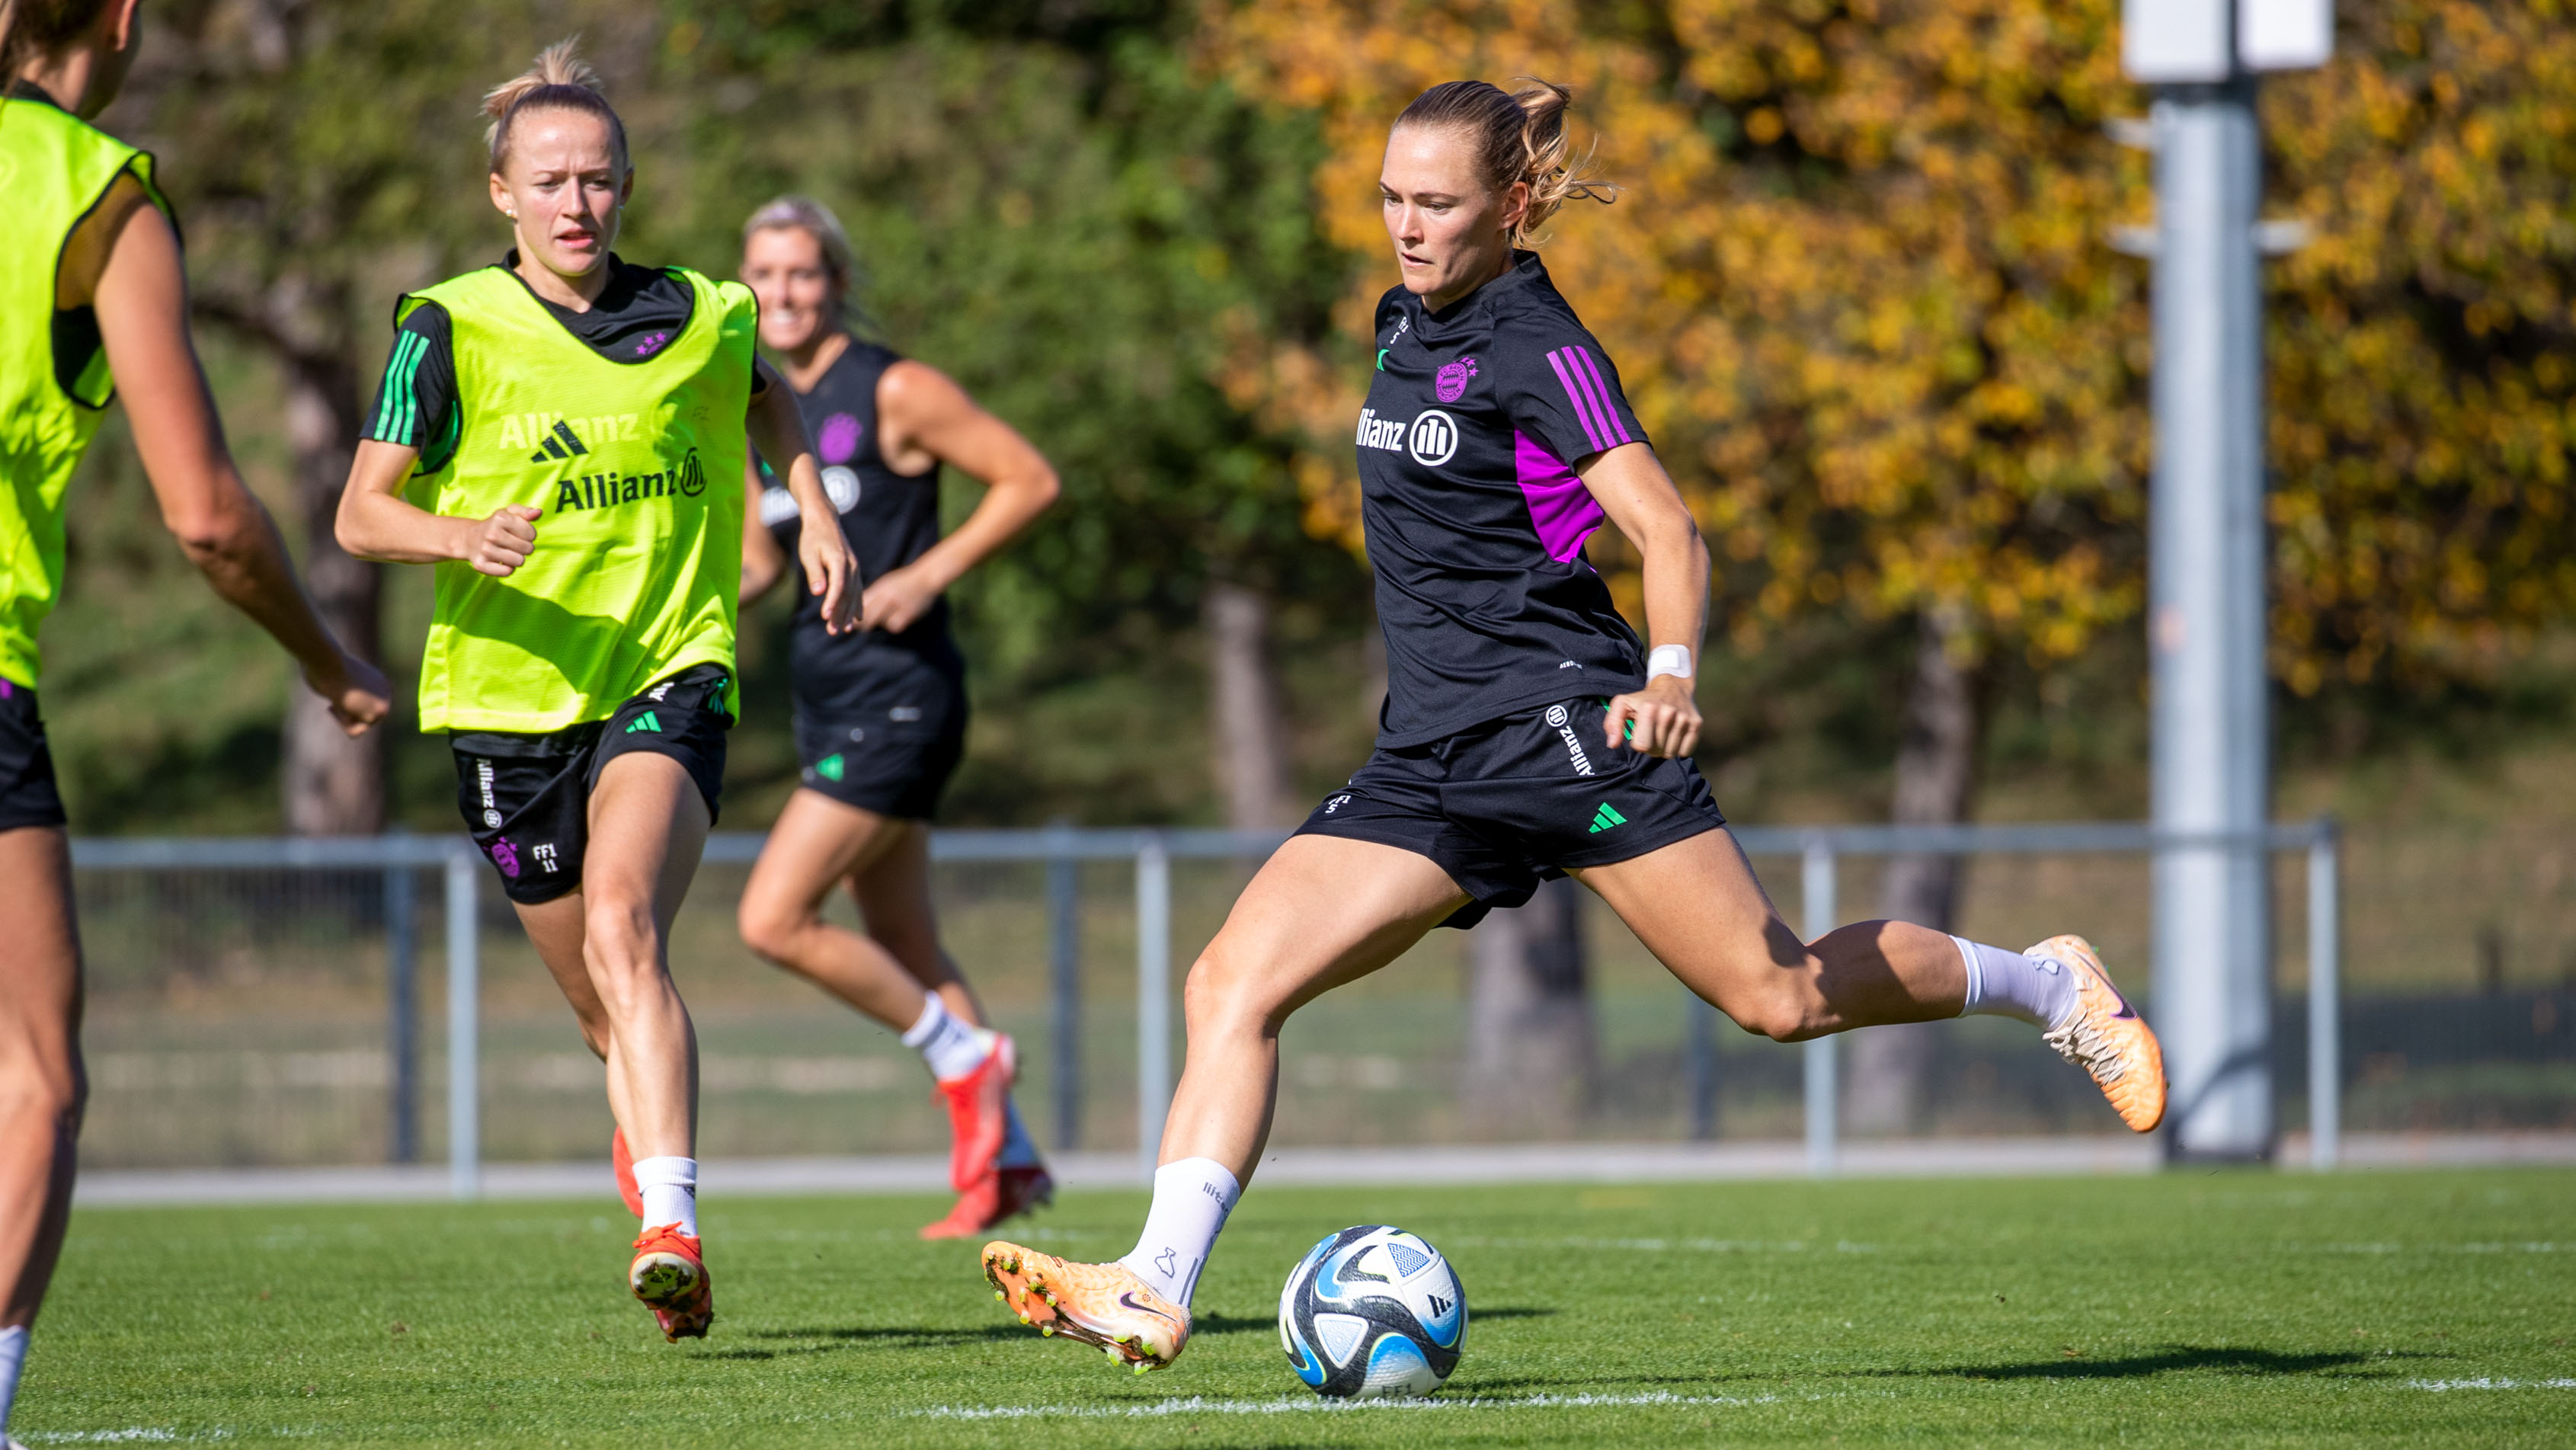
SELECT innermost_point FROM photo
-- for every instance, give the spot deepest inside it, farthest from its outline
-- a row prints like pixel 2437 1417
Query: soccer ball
pixel 1372 1312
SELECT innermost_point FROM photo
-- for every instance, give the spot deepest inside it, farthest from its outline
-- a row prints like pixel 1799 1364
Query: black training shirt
pixel 636 316
pixel 1476 521
pixel 889 519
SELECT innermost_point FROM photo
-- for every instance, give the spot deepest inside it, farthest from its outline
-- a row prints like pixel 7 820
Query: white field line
pixel 2440 1386
pixel 137 1436
pixel 1195 1405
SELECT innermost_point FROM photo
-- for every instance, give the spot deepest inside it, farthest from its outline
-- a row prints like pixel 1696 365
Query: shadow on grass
pixel 2173 1359
pixel 1207 1324
pixel 892 1337
pixel 906 1336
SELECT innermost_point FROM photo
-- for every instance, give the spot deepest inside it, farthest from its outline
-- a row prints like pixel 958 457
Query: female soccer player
pixel 93 300
pixel 583 665
pixel 1526 732
pixel 881 713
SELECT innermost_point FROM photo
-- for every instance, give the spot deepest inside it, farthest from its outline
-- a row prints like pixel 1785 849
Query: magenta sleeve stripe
pixel 1602 396
pixel 1574 395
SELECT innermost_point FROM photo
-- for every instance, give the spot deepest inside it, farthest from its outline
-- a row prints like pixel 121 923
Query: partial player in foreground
pixel 1527 732
pixel 881 712
pixel 93 302
pixel 577 425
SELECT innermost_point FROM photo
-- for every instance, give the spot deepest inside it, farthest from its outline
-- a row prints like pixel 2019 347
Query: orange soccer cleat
pixel 2106 1037
pixel 1099 1304
pixel 979 1109
pixel 622 1164
pixel 670 1275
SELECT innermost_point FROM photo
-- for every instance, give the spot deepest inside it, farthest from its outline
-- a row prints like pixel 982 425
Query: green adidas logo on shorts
pixel 1606 817
pixel 646 721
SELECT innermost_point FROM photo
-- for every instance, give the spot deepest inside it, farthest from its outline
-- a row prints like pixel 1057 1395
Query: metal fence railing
pixel 178 924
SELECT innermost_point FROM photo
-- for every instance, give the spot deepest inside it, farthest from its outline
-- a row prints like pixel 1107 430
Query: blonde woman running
pixel 1527 733
pixel 576 424
pixel 93 302
pixel 881 712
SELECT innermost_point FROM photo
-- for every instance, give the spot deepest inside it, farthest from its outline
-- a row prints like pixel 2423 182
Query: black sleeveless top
pixel 889 519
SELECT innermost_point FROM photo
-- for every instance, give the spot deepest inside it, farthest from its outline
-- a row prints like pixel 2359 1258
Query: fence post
pixel 1153 996
pixel 464 1056
pixel 2325 992
pixel 402 1010
pixel 1816 885
pixel 1699 1064
pixel 1064 968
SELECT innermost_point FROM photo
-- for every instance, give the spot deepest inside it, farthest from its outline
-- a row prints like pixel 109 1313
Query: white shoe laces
pixel 2080 1041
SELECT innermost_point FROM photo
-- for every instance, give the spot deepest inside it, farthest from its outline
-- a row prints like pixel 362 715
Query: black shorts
pixel 889 749
pixel 526 798
pixel 28 796
pixel 1516 801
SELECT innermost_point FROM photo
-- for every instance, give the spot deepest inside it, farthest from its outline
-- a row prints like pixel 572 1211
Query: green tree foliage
pixel 1050 206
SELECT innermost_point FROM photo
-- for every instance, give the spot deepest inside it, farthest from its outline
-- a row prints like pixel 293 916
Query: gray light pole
pixel 2206 617
pixel 2206 624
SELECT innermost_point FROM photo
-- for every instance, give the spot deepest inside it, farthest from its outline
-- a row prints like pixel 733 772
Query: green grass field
pixel 2186 1308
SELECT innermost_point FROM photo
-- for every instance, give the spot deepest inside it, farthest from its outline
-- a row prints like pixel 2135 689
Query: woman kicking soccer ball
pixel 1526 731
pixel 577 425
pixel 881 711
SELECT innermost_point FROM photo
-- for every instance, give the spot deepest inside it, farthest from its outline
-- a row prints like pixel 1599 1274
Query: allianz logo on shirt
pixel 1432 437
pixel 555 437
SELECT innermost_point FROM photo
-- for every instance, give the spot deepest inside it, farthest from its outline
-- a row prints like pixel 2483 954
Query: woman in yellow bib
pixel 563 436
pixel 93 301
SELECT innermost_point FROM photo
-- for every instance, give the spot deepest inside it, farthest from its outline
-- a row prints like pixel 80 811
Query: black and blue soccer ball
pixel 1373 1312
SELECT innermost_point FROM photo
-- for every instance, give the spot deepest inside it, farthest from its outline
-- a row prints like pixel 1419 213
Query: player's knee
pixel 45 1086
pixel 768 929
pixel 1782 1011
pixel 621 940
pixel 1220 994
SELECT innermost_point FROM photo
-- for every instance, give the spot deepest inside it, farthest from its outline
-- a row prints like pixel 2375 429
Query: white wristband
pixel 1668 659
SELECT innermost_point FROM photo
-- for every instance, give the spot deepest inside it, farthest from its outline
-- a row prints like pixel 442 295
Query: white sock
pixel 2009 984
pixel 13 1356
pixel 1191 1199
pixel 1019 1150
pixel 670 1187
pixel 951 1047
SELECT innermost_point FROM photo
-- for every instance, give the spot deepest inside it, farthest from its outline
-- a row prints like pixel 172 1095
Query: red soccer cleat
pixel 670 1275
pixel 622 1163
pixel 979 1107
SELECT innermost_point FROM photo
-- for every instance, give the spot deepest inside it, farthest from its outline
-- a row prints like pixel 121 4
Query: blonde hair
pixel 805 214
pixel 560 80
pixel 1519 136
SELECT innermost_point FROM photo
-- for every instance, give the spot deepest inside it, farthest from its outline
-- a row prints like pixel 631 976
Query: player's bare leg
pixel 894 972
pixel 606 946
pixel 1321 912
pixel 1697 907
pixel 42 1089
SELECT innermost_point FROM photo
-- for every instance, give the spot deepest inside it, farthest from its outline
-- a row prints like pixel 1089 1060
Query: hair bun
pixel 560 77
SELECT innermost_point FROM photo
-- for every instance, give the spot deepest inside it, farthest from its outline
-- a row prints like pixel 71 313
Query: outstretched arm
pixel 924 419
pixel 142 303
pixel 778 431
pixel 1632 488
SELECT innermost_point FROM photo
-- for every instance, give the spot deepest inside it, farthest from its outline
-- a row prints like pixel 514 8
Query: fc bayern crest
pixel 1452 382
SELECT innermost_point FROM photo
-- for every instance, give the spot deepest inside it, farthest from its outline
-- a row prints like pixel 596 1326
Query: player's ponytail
pixel 560 80
pixel 1519 136
pixel 39 29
